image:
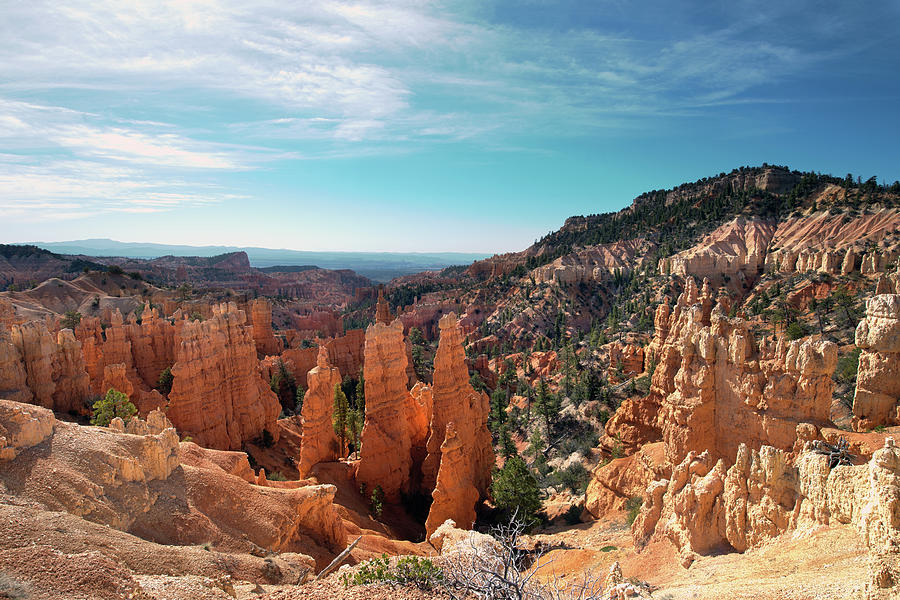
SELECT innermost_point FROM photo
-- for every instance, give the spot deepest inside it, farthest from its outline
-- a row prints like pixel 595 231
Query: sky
pixel 417 125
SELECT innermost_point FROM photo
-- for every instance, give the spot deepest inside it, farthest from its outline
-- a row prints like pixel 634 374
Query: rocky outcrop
pixel 260 311
pixel 614 482
pixel 736 250
pixel 13 377
pixel 347 352
pixel 22 426
pixel 877 399
pixel 594 264
pixel 382 310
pixel 43 368
pixel 319 442
pixel 143 349
pixel 37 347
pixel 218 397
pixel 705 507
pixel 386 445
pixel 135 477
pixel 454 401
pixel 627 358
pixel 835 243
pixel 715 386
pixel 454 495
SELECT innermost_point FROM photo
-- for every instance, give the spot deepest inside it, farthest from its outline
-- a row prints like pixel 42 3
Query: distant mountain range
pixel 378 266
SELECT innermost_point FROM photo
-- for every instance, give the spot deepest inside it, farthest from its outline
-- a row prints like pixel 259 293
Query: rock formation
pixel 737 250
pixel 382 310
pixel 144 349
pixel 705 507
pixel 454 495
pixel 455 401
pixel 136 477
pixel 319 444
pixel 714 386
pixel 217 396
pixel 613 483
pixel 22 426
pixel 627 357
pixel 877 399
pixel 260 311
pixel 386 446
pixel 43 368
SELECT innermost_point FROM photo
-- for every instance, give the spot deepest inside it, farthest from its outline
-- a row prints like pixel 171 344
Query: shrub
pixel 164 381
pixel 574 477
pixel 847 367
pixel 573 515
pixel 515 490
pixel 633 506
pixel 266 441
pixel 276 476
pixel 796 330
pixel 114 404
pixel 409 570
pixel 114 270
pixel 376 501
pixel 70 320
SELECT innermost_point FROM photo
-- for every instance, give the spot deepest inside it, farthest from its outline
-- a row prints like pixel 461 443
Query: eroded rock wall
pixel 877 399
pixel 218 397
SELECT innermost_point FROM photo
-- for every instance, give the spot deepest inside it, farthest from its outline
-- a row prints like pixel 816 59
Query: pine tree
pixel 340 418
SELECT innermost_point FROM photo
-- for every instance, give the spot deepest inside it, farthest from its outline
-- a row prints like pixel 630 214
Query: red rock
pixel 627 357
pixel 455 401
pixel 218 397
pixel 260 311
pixel 386 447
pixel 613 483
pixel 454 495
pixel 319 442
pixel 382 310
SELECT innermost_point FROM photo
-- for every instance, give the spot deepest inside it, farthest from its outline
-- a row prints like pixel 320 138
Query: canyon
pixel 689 397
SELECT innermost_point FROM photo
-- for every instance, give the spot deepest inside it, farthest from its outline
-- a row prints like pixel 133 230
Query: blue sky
pixel 414 125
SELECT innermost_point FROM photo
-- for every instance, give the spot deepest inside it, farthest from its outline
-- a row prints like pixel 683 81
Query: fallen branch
pixel 338 560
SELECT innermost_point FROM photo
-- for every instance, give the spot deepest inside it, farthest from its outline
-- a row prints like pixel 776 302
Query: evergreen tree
pixel 114 404
pixel 515 490
pixel 340 418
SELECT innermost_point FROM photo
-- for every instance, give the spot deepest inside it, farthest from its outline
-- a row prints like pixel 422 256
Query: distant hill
pixel 378 266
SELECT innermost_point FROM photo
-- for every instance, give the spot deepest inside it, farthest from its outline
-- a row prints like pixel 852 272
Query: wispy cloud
pixel 179 90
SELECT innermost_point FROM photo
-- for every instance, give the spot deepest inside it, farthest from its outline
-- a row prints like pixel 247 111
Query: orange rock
pixel 877 399
pixel 627 357
pixel 319 442
pixel 455 401
pixel 152 346
pixel 36 347
pixel 346 352
pixel 260 311
pixel 382 310
pixel 13 376
pixel 714 386
pixel 217 396
pixel 386 447
pixel 613 483
pixel 454 495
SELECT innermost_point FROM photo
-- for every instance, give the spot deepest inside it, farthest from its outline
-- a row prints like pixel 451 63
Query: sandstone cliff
pixel 260 311
pixel 705 507
pixel 454 401
pixel 217 396
pixel 877 399
pixel 386 446
pixel 319 442
pixel 715 386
